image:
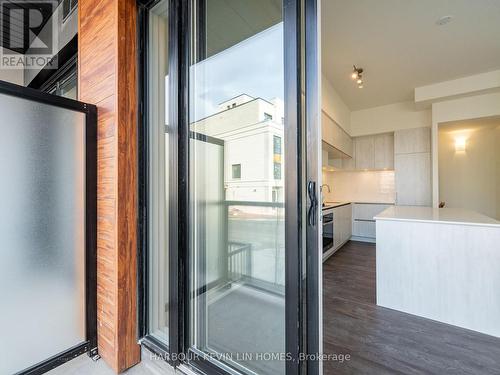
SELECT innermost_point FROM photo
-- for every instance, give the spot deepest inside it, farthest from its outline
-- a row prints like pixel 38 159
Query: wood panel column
pixel 107 67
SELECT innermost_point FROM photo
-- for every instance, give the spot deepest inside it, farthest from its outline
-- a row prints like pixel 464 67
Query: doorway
pixel 410 170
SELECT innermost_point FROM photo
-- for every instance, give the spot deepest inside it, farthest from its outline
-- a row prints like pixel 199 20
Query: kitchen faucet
pixel 328 186
pixel 322 195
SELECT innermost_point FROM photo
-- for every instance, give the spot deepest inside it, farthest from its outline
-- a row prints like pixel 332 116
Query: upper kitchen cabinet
pixel 374 151
pixel 335 136
pixel 364 157
pixel 333 158
pixel 384 151
pixel 410 141
pixel 413 167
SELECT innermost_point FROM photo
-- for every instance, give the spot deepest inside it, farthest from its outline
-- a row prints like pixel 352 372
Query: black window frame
pixel 65 73
pixel 301 327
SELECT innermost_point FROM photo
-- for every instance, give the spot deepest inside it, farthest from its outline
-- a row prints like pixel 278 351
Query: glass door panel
pixel 237 174
pixel 159 165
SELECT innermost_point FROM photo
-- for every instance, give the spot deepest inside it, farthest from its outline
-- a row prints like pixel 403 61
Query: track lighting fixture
pixel 357 75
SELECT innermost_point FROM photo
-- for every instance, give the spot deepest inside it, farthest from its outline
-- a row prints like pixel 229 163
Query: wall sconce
pixel 460 144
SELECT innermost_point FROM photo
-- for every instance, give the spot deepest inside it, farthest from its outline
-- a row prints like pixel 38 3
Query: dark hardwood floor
pixel 385 341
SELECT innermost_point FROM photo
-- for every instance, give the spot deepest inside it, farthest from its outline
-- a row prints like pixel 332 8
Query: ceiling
pixel 229 21
pixel 400 46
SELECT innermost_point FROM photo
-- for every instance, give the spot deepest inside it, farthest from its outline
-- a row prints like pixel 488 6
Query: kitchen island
pixel 442 264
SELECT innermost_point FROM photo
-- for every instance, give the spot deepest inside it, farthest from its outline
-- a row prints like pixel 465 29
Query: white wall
pixel 369 186
pixel 389 118
pixel 467 85
pixel 470 179
pixel 473 107
pixel 334 106
pixel 12 75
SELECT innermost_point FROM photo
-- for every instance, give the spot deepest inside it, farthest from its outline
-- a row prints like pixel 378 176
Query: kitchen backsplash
pixel 360 186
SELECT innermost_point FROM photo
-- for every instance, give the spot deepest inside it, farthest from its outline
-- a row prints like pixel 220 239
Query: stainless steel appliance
pixel 327 229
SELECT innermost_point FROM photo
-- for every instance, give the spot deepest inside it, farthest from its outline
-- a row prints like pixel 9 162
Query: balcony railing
pixel 255 244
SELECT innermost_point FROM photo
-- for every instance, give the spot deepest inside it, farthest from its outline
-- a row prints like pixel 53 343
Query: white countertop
pixel 334 204
pixel 338 204
pixel 437 215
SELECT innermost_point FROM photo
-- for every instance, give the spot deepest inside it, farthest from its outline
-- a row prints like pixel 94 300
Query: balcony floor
pixel 83 365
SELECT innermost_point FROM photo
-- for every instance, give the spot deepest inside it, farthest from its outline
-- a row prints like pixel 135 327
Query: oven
pixel 327 229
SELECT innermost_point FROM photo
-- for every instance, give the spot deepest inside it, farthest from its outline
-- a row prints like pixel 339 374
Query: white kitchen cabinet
pixel 413 179
pixel 348 164
pixel 412 165
pixel 363 222
pixel 335 136
pixel 364 153
pixel 364 229
pixel 366 211
pixel 342 229
pixel 324 157
pixel 374 152
pixel 411 141
pixel 384 151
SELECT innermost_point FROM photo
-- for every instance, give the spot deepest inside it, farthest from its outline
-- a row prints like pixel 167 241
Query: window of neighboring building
pixel 236 170
pixel 64 81
pixel 277 145
pixel 267 116
pixel 277 171
pixel 68 7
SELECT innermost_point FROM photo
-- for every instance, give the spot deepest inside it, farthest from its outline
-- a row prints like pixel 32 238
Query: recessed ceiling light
pixel 444 20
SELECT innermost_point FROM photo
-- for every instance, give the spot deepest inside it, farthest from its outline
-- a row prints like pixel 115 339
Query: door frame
pixel 314 255
pixel 301 239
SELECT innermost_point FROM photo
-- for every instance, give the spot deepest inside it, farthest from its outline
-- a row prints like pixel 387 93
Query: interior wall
pixel 470 179
pixel 12 75
pixel 472 107
pixel 368 187
pixel 389 118
pixel 334 106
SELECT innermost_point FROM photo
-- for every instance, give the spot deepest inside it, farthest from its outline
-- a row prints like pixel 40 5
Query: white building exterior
pixel 252 131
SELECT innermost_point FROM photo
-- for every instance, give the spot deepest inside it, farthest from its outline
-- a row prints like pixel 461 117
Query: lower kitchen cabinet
pixel 342 227
pixel 364 229
pixel 363 223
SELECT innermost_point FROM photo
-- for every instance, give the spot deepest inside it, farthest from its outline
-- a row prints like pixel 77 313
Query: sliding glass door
pixel 159 168
pixel 237 182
